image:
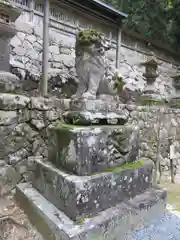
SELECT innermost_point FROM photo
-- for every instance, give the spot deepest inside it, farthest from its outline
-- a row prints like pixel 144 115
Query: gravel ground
pixel 14 224
pixel 165 228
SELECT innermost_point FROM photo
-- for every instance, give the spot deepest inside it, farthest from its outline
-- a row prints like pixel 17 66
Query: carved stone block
pixel 85 150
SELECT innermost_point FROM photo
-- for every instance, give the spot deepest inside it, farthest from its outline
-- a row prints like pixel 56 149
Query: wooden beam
pixel 118 49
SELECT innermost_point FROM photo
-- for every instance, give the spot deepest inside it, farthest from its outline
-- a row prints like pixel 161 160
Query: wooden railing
pixel 62 18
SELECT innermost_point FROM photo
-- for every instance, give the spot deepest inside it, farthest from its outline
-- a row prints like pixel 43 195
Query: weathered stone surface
pixel 31 38
pixel 8 118
pixel 16 41
pixel 26 131
pixel 50 115
pixel 37 46
pixel 7 130
pixel 39 147
pixel 21 35
pixel 27 165
pixel 24 27
pixel 16 157
pixel 54 49
pixel 11 144
pixel 23 115
pixel 86 196
pixel 8 82
pixel 38 124
pixel 111 224
pixel 84 150
pixel 19 51
pixel 13 102
pixel 9 177
pixel 41 103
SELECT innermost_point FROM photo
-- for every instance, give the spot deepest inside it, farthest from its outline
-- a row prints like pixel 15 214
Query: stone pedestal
pixel 93 185
pixel 8 15
pixel 85 150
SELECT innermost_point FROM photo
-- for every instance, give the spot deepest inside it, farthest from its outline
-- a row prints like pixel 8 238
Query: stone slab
pixel 88 195
pixel 96 112
pixel 112 224
pixel 88 149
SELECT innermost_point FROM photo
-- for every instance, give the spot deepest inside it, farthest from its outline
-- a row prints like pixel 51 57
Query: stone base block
pixel 96 112
pixel 88 195
pixel 112 224
pixel 88 149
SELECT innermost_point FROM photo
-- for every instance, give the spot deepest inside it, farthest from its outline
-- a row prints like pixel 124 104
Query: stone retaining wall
pixel 23 125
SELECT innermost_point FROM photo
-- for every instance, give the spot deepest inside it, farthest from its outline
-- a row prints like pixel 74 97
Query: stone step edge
pixel 53 224
pixel 85 196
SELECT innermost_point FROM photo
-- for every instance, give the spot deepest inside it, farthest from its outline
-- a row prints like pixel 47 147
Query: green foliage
pixel 88 36
pixel 118 83
pixel 156 19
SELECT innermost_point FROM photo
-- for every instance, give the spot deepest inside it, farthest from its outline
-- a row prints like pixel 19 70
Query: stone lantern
pixel 8 14
pixel 150 93
pixel 176 84
pixel 175 101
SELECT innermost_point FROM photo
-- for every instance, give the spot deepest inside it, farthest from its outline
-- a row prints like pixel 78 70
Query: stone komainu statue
pixel 91 65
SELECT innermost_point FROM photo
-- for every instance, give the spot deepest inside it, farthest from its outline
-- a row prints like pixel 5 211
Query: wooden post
pixel 118 49
pixel 31 6
pixel 44 79
pixel 172 159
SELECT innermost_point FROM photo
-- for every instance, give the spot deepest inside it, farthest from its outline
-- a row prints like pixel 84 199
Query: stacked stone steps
pixel 85 196
pixel 113 223
pixel 69 207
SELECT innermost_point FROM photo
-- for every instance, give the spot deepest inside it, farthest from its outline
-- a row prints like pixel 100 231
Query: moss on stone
pixel 61 125
pixel 118 169
pixel 88 36
pixel 118 83
pixel 80 221
pixel 151 101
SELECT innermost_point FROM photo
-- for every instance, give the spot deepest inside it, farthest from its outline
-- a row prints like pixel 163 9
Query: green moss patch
pixel 151 101
pixel 118 169
pixel 80 221
pixel 61 125
pixel 88 36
